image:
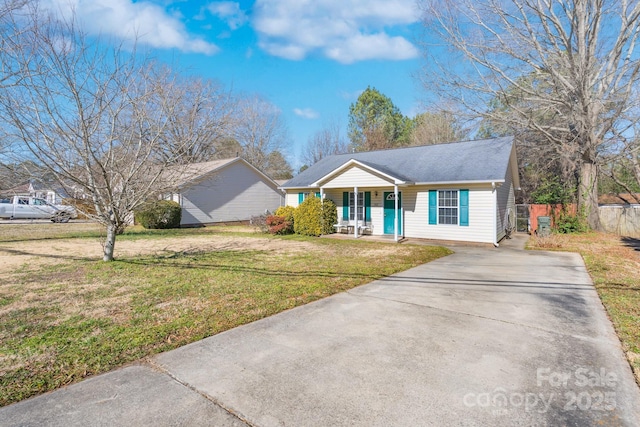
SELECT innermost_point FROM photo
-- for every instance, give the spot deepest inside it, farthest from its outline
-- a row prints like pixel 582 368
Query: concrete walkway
pixel 483 337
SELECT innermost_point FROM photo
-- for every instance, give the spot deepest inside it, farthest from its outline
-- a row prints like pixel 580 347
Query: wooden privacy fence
pixel 620 220
pixel 548 210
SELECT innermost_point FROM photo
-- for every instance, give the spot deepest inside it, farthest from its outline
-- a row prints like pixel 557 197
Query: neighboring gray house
pixel 226 190
pixel 458 191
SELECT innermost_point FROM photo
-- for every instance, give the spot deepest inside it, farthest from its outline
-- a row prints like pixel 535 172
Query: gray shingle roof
pixel 470 161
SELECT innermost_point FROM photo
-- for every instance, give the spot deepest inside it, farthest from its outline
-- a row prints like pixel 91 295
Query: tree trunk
pixel 588 194
pixel 110 242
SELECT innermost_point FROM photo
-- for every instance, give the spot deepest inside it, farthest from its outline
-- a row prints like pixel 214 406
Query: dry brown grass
pixel 65 315
pixel 614 265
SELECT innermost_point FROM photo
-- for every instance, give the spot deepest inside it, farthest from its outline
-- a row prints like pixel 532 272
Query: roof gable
pixel 197 172
pixel 470 161
pixel 352 164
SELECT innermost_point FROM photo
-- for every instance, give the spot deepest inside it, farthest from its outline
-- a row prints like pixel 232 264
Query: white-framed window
pixel 448 208
pixel 360 206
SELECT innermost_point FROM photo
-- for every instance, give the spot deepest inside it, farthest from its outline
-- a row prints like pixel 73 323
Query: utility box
pixel 544 226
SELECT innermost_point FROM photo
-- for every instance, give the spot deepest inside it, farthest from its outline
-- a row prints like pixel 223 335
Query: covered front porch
pixel 368 211
pixel 369 200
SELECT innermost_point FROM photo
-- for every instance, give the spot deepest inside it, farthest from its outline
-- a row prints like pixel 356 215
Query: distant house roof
pixel 29 188
pixel 19 189
pixel 484 160
pixel 195 172
pixel 619 199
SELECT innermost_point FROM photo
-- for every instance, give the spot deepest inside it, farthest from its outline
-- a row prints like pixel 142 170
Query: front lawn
pixel 614 265
pixel 67 318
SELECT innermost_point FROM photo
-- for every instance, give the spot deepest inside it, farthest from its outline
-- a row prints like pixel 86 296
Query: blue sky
pixel 310 58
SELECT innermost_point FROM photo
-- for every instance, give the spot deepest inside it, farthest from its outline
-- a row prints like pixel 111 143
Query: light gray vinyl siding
pixel 506 204
pixel 234 193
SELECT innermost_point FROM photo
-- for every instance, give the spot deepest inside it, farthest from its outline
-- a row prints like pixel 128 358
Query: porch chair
pixel 365 226
pixel 342 225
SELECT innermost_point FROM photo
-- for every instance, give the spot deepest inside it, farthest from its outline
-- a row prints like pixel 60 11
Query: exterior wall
pixel 415 202
pixel 235 193
pixel 377 218
pixel 415 212
pixel 291 198
pixel 506 205
pixel 355 174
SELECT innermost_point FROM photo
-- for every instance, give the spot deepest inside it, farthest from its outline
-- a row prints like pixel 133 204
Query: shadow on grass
pixel 631 242
pixel 170 261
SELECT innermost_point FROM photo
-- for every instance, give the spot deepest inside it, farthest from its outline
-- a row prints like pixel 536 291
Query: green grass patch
pixel 82 317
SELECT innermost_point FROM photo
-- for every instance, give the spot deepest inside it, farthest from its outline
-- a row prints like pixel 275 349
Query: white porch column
pixel 355 211
pixel 396 222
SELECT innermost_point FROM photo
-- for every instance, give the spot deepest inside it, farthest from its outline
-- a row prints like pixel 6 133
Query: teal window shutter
pixel 433 207
pixel 318 194
pixel 300 198
pixel 367 205
pixel 345 205
pixel 464 208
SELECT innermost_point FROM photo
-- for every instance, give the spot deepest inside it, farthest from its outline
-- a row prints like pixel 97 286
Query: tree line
pixel 111 125
pixel 560 76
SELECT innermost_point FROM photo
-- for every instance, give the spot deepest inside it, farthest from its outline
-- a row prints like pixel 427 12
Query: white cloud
pixel 306 113
pixel 343 30
pixel 142 21
pixel 229 11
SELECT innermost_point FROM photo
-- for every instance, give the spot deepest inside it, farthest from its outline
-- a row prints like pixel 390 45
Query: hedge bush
pixel 159 214
pixel 278 224
pixel 329 216
pixel 307 218
pixel 288 213
pixel 567 224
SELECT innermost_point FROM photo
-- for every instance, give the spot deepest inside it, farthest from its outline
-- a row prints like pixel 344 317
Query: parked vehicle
pixel 22 207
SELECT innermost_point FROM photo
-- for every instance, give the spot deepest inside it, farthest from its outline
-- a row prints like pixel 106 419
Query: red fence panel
pixel 548 210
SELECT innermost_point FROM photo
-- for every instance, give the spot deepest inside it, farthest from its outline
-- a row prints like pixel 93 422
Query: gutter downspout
pixel 355 212
pixel 396 224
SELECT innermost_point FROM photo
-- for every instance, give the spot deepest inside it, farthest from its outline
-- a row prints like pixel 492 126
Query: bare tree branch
pixel 97 118
pixel 573 64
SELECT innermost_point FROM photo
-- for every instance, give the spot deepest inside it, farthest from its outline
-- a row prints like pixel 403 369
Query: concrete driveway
pixel 482 337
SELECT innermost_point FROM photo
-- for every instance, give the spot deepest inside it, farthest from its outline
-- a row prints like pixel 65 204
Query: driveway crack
pixel 479 316
pixel 154 365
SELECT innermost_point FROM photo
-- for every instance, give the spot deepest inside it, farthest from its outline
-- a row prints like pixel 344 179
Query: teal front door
pixel 389 212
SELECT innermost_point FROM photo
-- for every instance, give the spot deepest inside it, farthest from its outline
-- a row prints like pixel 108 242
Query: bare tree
pixel 325 142
pixel 584 50
pixel 201 123
pixel 435 128
pixel 277 167
pixel 12 25
pixel 259 129
pixel 623 167
pixel 96 117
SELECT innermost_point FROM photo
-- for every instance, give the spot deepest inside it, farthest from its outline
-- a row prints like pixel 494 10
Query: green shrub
pixel 288 213
pixel 159 214
pixel 329 216
pixel 278 224
pixel 308 217
pixel 567 224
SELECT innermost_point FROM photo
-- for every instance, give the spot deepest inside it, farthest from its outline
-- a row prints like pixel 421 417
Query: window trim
pixel 456 207
pixel 361 206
